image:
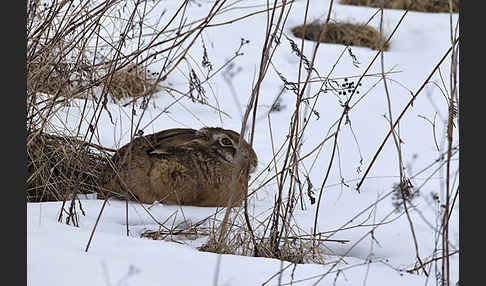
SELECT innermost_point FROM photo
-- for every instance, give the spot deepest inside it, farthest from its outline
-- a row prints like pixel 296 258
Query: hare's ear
pixel 168 139
pixel 171 135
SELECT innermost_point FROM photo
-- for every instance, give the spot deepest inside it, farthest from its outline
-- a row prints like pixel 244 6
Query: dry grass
pixel 342 33
pixel 48 74
pixel 431 6
pixel 58 165
pixel 63 79
pixel 132 82
pixel 69 61
pixel 293 251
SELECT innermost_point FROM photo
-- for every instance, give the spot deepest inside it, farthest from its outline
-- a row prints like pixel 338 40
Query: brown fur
pixel 181 166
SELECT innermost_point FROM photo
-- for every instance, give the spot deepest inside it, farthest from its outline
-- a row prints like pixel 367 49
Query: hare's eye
pixel 226 142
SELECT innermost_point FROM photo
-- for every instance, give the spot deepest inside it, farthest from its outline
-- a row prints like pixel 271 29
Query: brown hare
pixel 182 166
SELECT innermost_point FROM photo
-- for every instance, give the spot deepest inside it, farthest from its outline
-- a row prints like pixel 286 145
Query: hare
pixel 184 167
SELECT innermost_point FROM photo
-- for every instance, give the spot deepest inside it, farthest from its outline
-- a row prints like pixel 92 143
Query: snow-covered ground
pixel 55 251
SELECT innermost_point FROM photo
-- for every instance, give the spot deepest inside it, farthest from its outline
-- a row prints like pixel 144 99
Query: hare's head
pixel 225 143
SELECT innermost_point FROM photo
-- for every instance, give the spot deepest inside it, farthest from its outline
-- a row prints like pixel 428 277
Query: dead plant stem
pixel 402 114
pixel 345 111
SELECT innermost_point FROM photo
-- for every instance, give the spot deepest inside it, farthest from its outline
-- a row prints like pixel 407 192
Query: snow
pixel 56 251
pixel 56 256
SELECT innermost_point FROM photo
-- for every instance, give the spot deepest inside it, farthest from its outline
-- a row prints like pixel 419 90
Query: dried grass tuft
pixel 430 6
pixel 293 250
pixel 47 74
pixel 342 33
pixel 60 165
pixel 132 82
pixel 297 249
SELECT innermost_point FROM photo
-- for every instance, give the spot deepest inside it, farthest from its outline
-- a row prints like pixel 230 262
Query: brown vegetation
pixel 342 33
pixel 132 82
pixel 60 165
pixel 432 6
